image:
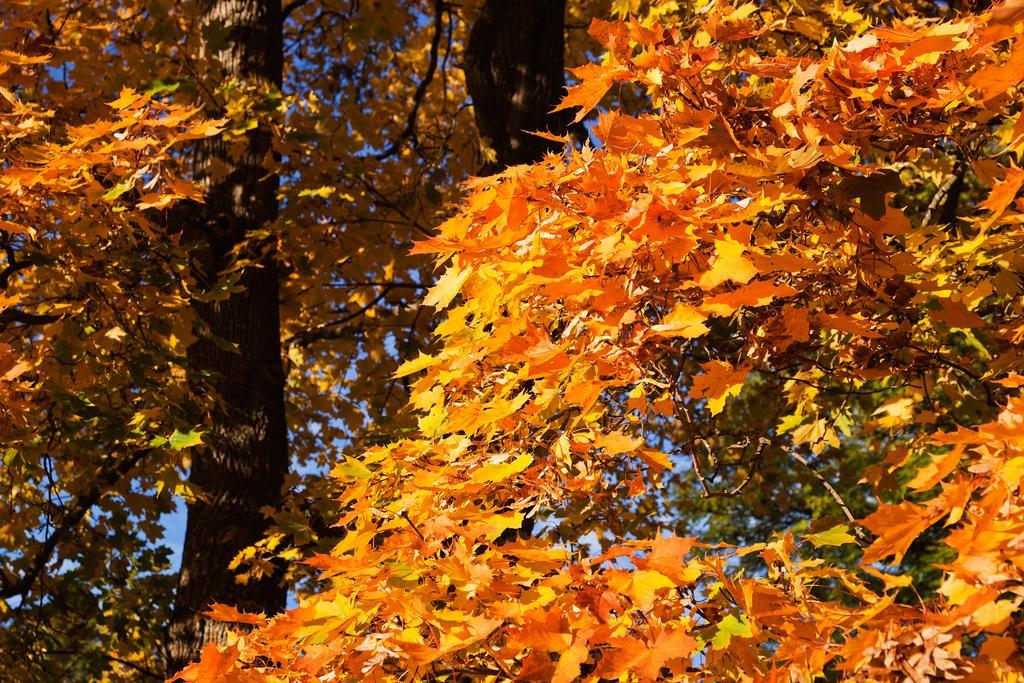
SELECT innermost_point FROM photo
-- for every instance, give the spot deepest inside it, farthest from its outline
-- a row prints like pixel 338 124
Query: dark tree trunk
pixel 515 73
pixel 241 468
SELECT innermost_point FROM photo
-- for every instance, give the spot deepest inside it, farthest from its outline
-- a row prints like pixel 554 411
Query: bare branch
pixel 421 89
pixel 290 7
pixel 14 315
pixel 109 475
pixel 855 526
pixel 330 330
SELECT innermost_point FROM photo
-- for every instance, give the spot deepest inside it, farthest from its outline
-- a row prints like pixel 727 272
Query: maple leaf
pixel 717 382
pixel 896 526
pixel 1008 11
pixel 730 264
pixel 995 79
pixel 447 287
pixel 837 535
pixel 728 628
pixel 214 665
pixel 499 471
pixel 750 177
pixel 595 81
pixel 221 612
pixel 683 321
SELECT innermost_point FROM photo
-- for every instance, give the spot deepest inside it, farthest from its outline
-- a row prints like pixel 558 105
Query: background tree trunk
pixel 243 465
pixel 515 73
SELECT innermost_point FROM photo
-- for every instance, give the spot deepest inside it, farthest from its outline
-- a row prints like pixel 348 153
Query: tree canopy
pixel 722 379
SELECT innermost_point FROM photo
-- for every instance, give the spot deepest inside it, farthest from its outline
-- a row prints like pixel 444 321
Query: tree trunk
pixel 515 73
pixel 242 467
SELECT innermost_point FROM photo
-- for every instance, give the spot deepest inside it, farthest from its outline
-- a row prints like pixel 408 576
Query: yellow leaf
pixel 447 287
pixel 410 367
pixel 991 615
pixel 729 265
pixel 644 587
pixel 495 472
pixel 617 442
pixel 683 321
pixel 837 535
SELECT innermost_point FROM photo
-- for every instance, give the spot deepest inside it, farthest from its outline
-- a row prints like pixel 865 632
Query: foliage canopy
pixel 794 253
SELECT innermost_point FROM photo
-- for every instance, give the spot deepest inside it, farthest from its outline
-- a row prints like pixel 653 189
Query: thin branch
pixel 832 491
pixel 148 673
pixel 287 10
pixel 14 315
pixel 953 365
pixel 14 267
pixel 948 195
pixel 108 477
pixel 755 461
pixel 405 516
pixel 421 89
pixel 404 355
pixel 331 329
pixel 834 390
pixel 394 284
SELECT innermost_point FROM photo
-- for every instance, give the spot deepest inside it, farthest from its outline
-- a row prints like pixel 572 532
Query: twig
pixel 948 195
pixel 14 315
pixel 325 331
pixel 405 516
pixel 832 491
pixel 953 365
pixel 421 89
pixel 291 7
pixel 106 479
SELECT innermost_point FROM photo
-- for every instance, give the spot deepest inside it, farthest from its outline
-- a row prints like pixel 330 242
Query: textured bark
pixel 243 465
pixel 515 73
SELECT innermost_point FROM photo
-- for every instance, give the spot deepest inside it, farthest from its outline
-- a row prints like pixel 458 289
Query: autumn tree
pixel 186 160
pixel 92 328
pixel 801 249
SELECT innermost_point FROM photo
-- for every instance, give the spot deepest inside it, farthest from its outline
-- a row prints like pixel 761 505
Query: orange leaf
pixel 214 664
pixel 730 264
pixel 683 321
pixel 595 81
pixel 1008 12
pixel 995 79
pixel 1003 194
pixel 219 612
pixel 758 293
pixel 897 526
pixel 717 382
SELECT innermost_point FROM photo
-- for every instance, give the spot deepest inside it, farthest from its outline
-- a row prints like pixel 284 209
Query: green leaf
pixel 843 424
pixel 351 469
pixel 728 628
pixel 837 535
pixel 790 422
pixel 180 440
pixel 118 190
pixel 160 87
